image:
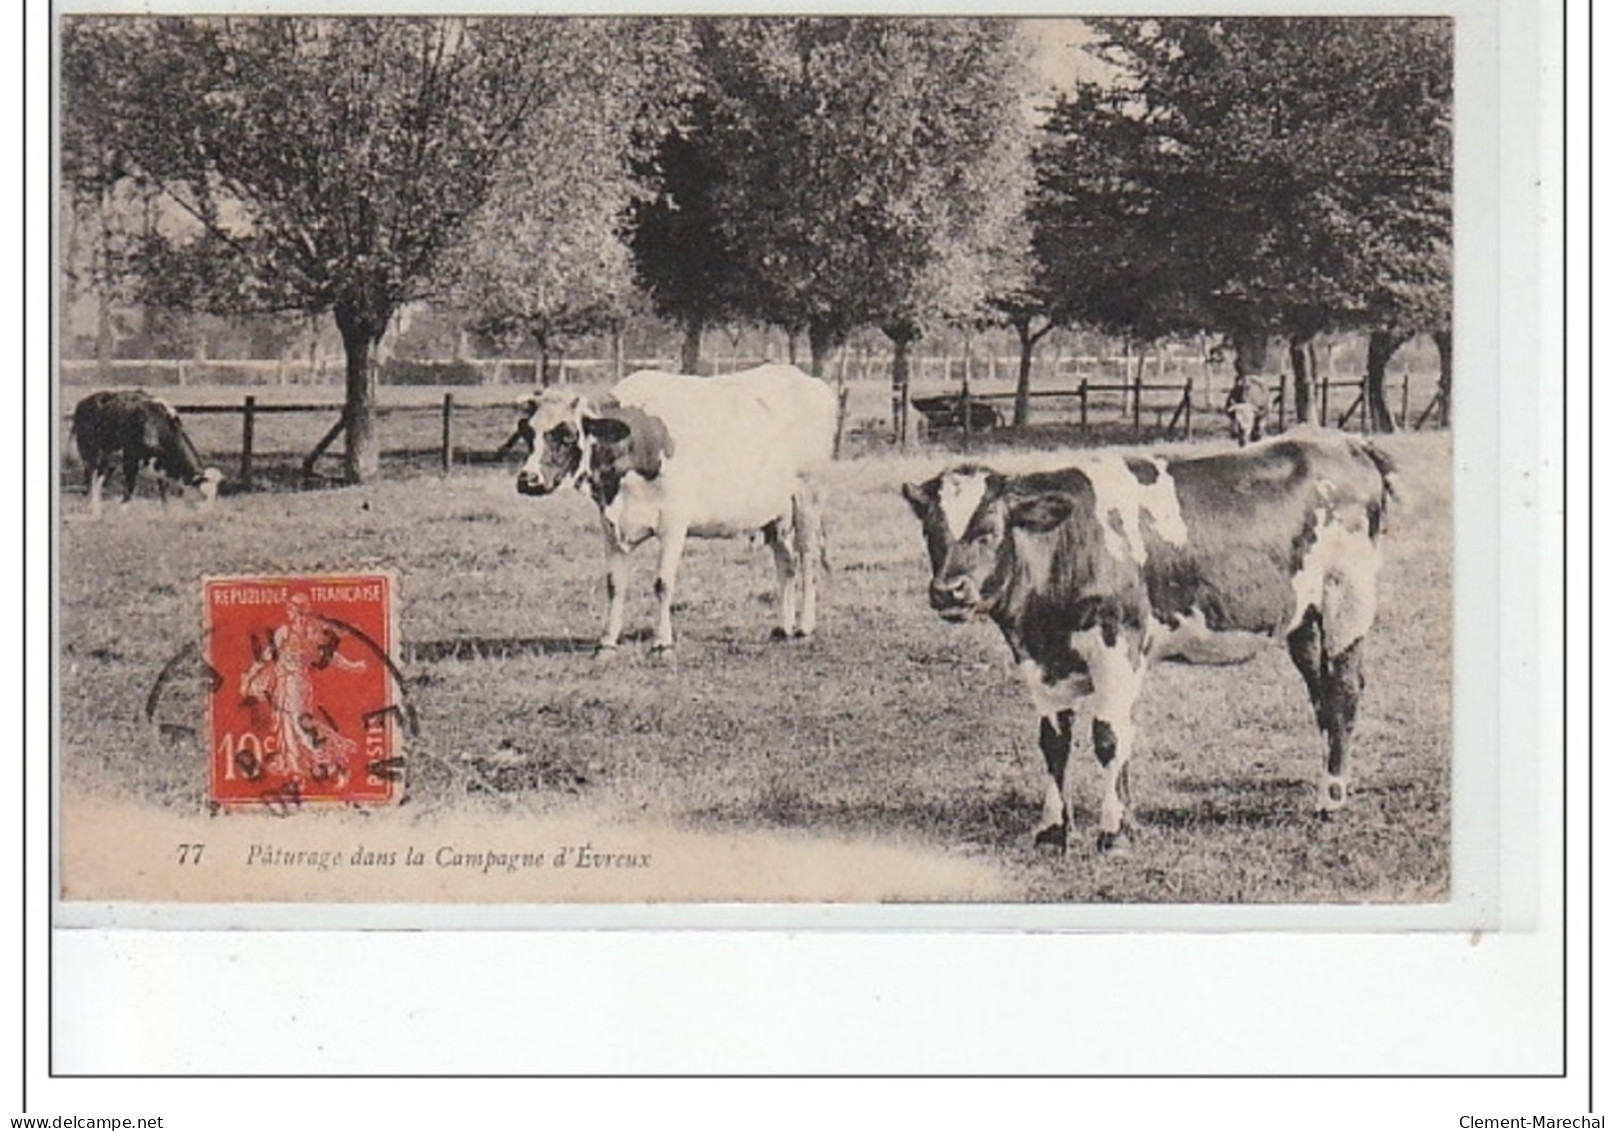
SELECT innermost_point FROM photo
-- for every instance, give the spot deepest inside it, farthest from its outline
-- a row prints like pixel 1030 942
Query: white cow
pixel 669 456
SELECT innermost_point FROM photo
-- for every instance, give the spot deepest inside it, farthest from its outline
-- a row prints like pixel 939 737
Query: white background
pixel 844 1002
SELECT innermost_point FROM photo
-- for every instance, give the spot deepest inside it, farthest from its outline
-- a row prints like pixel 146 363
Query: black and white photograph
pixel 758 471
pixel 1020 451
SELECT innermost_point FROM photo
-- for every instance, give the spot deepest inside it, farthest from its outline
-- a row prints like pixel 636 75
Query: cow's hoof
pixel 779 634
pixel 661 650
pixel 1331 798
pixel 603 652
pixel 1051 839
pixel 1108 842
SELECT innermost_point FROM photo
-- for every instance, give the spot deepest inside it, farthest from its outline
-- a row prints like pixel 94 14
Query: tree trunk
pixel 541 364
pixel 103 300
pixel 1250 353
pixel 1444 352
pixel 1023 379
pixel 902 337
pixel 823 340
pixel 1306 405
pixel 1382 346
pixel 361 457
pixel 690 356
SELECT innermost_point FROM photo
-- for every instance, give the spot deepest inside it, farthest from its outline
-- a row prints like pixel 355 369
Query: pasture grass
pixel 888 727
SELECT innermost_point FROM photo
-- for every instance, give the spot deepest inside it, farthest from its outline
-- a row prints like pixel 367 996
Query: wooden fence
pixel 250 409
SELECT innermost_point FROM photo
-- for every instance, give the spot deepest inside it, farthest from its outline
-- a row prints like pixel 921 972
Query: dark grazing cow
pixel 140 428
pixel 1096 570
pixel 672 456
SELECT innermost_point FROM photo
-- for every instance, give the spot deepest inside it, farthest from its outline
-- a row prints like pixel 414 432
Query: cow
pixel 1096 570
pixel 673 456
pixel 1247 406
pixel 141 429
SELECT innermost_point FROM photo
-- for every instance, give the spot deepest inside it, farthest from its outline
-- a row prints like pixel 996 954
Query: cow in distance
pixel 135 428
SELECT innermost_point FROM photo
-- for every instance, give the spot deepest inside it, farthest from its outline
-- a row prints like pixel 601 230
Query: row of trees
pixel 822 175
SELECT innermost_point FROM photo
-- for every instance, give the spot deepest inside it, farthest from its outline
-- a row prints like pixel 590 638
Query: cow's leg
pixel 1054 739
pixel 97 476
pixel 1306 649
pixel 1327 647
pixel 1116 663
pixel 667 575
pixel 1334 683
pixel 616 591
pixel 1343 685
pixel 810 551
pixel 787 564
pixel 131 470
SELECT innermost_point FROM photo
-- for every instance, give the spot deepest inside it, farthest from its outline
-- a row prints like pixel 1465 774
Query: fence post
pixel 1188 409
pixel 1323 400
pixel 1283 381
pixel 1404 400
pixel 448 430
pixel 1138 395
pixel 1082 401
pixel 249 410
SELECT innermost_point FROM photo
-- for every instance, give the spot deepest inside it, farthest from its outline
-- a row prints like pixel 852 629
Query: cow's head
pixel 176 456
pixel 969 518
pixel 208 484
pixel 1244 422
pixel 555 421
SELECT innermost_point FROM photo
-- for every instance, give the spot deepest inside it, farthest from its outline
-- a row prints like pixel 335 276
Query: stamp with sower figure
pixel 303 710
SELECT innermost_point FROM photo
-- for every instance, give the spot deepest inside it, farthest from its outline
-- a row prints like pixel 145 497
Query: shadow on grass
pixel 1007 819
pixel 999 820
pixel 506 647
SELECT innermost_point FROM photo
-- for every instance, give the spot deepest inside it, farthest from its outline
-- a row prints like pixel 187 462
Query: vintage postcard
pixel 965 472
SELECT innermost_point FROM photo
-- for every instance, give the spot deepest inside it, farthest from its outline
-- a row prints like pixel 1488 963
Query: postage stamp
pixel 302 710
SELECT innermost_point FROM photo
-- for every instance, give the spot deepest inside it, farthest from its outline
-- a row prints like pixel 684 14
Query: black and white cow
pixel 672 456
pixel 1096 570
pixel 141 429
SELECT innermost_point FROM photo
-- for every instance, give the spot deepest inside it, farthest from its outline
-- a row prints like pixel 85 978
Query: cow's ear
pixel 918 500
pixel 1041 513
pixel 607 428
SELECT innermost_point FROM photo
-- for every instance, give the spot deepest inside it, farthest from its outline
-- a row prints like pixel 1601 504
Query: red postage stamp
pixel 302 710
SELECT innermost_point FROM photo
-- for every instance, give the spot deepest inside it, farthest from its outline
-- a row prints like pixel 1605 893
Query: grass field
pixel 890 727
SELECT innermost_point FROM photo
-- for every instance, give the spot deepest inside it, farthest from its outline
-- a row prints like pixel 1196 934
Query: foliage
pixel 545 259
pixel 314 165
pixel 682 259
pixel 1251 175
pixel 872 165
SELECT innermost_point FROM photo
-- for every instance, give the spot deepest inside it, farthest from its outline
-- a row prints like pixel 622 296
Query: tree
pixel 326 165
pixel 1263 176
pixel 682 258
pixel 872 167
pixel 544 259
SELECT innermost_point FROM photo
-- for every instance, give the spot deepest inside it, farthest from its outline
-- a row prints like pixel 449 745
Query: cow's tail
pixel 1392 485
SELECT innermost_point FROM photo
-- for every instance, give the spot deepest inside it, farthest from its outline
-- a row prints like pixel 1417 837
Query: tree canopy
pixel 1255 177
pixel 844 172
pixel 328 165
